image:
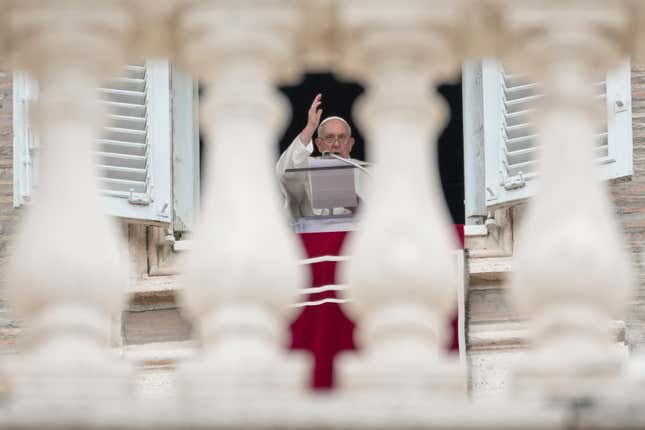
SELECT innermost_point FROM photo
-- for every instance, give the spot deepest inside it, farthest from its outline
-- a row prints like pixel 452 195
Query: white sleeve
pixel 293 183
pixel 294 157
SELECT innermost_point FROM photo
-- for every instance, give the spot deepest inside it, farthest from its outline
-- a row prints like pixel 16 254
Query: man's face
pixel 335 138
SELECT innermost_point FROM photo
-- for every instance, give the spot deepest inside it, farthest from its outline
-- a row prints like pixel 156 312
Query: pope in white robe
pixel 334 136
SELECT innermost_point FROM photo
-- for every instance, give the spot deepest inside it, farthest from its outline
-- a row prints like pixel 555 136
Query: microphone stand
pixel 328 154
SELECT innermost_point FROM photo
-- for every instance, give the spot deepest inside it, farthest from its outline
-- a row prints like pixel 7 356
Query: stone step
pixel 154 313
pixel 156 365
pixel 155 325
pixel 153 316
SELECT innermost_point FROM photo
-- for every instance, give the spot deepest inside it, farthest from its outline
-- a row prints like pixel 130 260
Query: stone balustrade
pixel 67 276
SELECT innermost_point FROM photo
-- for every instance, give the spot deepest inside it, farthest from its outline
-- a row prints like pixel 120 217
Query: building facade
pixel 495 335
pixel 557 258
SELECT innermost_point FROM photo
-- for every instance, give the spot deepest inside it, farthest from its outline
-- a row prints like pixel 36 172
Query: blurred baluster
pixel 402 277
pixel 573 273
pixel 243 273
pixel 67 274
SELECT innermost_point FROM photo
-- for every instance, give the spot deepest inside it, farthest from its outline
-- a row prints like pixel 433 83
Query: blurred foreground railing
pixel 67 279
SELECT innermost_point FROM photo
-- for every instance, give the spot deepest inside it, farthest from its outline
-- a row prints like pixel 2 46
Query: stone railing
pixel 67 278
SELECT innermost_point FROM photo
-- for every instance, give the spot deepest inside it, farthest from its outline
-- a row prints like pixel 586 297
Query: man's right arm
pixel 301 148
pixel 306 134
pixel 293 184
pixel 297 156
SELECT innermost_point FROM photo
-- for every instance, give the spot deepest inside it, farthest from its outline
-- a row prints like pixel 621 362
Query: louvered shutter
pixel 134 153
pixel 511 144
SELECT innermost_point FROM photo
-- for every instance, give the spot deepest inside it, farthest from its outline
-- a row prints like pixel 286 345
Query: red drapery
pixel 325 330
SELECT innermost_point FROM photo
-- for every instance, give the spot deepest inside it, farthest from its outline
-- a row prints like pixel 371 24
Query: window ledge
pixel 475 230
pixel 494 268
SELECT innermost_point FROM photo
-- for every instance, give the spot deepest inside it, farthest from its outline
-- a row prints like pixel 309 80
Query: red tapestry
pixel 325 330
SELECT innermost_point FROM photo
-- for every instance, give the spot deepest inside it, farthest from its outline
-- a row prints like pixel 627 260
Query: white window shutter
pixel 185 161
pixel 510 142
pixel 134 154
pixel 25 141
pixel 619 124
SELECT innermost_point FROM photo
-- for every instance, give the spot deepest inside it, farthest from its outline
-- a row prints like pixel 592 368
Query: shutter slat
pixel 135 71
pixel 122 96
pixel 125 135
pixel 113 184
pixel 521 130
pixel 522 104
pixel 117 147
pixel 528 152
pixel 514 80
pixel 128 122
pixel 124 160
pixel 603 139
pixel 602 151
pixel 522 168
pixel 521 156
pixel 125 173
pixel 520 91
pixel 517 118
pixel 128 84
pixel 126 109
pixel 523 142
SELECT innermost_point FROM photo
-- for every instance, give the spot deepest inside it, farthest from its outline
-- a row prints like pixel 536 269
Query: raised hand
pixel 313 119
pixel 314 113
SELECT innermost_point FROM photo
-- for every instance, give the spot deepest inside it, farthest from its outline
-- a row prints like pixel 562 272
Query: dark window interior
pixel 451 153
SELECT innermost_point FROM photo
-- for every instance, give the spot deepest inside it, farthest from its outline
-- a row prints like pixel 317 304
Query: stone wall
pixel 8 215
pixel 629 199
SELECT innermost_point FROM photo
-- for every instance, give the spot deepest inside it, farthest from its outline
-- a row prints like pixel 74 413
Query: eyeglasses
pixel 331 139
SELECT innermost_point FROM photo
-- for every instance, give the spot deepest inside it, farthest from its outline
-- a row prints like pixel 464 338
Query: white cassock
pixel 295 185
